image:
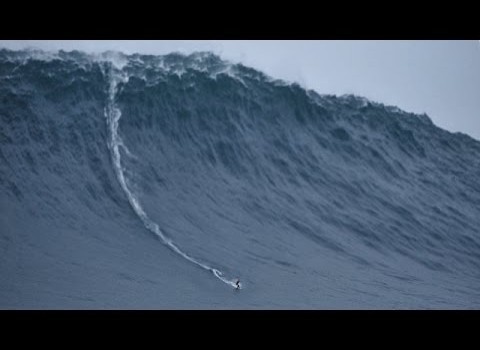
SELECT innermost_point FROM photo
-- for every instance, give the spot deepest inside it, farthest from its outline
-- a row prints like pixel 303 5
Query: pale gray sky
pixel 441 78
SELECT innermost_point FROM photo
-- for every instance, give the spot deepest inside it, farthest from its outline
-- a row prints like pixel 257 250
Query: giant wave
pixel 314 201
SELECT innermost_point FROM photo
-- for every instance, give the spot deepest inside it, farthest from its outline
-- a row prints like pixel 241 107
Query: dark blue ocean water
pixel 134 181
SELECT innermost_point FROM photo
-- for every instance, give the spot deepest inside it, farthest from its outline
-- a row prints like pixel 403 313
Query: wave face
pixel 147 181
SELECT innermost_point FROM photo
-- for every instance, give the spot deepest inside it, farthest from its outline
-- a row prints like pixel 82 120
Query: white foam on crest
pixel 34 54
pixel 230 71
pixel 117 59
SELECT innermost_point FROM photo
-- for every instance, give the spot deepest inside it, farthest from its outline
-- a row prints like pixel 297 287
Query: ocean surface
pixel 154 182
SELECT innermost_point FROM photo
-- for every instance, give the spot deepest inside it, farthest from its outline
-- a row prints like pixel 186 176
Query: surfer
pixel 237 284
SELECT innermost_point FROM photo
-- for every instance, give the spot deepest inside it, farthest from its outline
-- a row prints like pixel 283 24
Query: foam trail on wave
pixel 113 114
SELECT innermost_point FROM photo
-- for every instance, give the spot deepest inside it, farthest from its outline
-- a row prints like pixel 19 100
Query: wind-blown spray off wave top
pixel 313 201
